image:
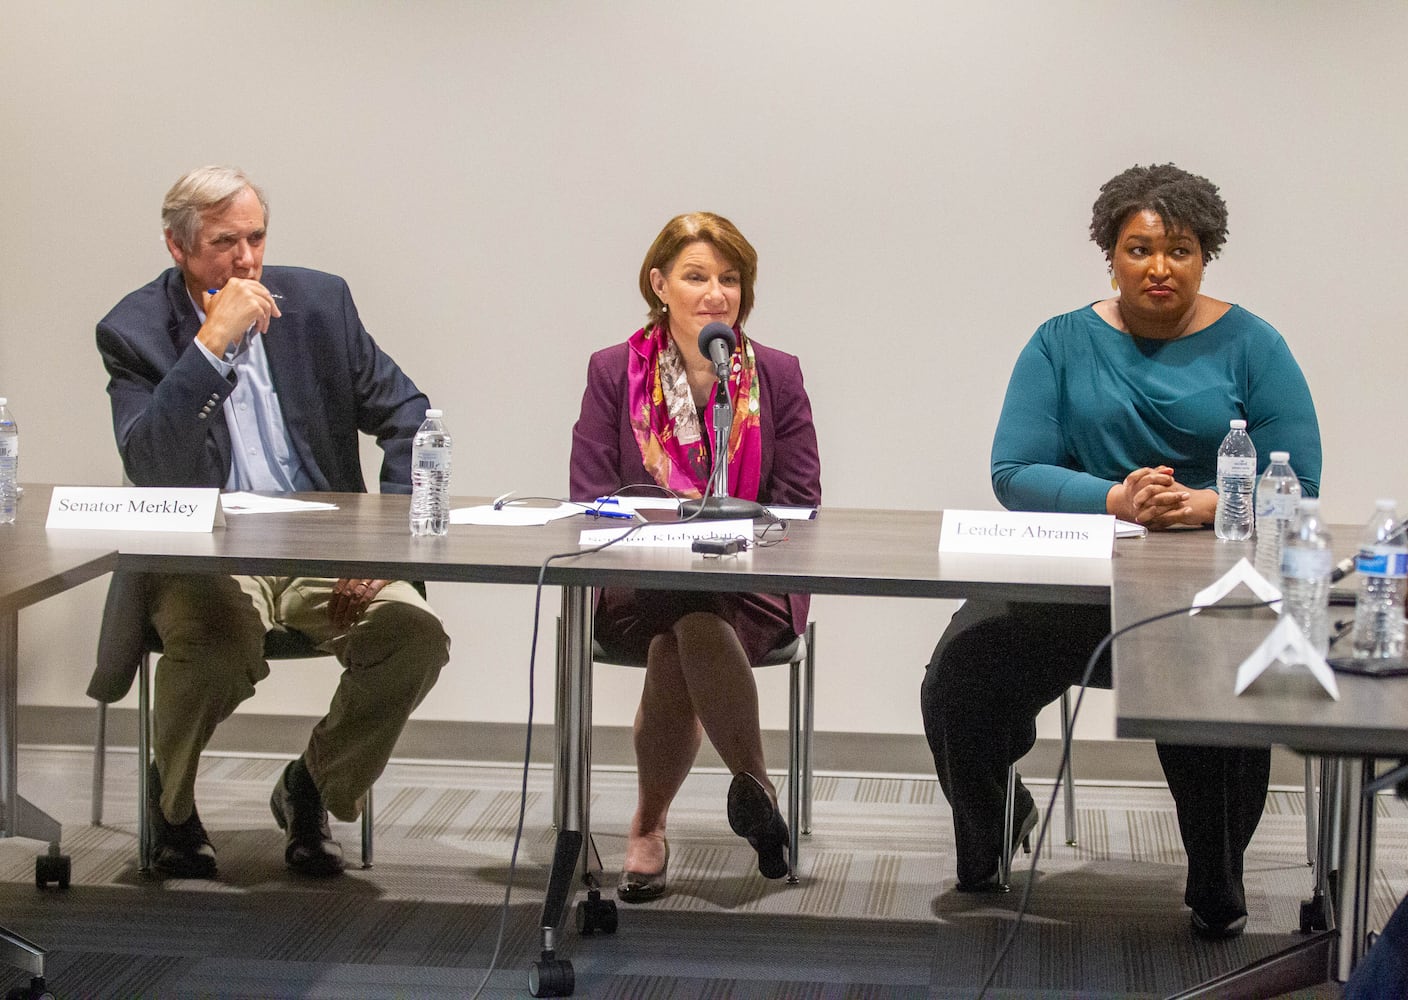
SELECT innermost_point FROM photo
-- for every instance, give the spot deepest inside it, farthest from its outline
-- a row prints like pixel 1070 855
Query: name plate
pixel 672 535
pixel 1028 533
pixel 135 508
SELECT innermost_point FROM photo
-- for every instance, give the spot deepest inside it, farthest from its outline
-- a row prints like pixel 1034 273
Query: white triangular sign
pixel 1245 573
pixel 1287 643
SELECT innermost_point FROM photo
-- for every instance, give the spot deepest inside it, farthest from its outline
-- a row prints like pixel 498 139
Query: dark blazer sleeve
pixel 166 396
pixel 795 476
pixel 334 381
pixel 605 455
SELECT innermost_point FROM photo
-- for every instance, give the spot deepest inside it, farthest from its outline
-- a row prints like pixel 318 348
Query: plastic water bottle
pixel 9 464
pixel 1382 565
pixel 1277 493
pixel 1306 563
pixel 430 477
pixel 1236 479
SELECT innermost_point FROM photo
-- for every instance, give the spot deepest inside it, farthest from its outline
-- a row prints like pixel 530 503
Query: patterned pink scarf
pixel 673 444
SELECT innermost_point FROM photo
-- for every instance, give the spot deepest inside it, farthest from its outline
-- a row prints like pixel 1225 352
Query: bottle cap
pixel 1384 503
pixel 1237 425
pixel 1309 503
pixel 434 414
pixel 3 400
pixel 1280 456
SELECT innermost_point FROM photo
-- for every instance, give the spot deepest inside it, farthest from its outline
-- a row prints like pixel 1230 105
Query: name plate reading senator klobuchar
pixel 1028 533
pixel 134 508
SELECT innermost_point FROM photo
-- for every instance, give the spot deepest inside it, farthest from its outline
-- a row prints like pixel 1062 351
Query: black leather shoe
pixel 298 809
pixel 642 887
pixel 753 815
pixel 1218 930
pixel 1021 835
pixel 182 850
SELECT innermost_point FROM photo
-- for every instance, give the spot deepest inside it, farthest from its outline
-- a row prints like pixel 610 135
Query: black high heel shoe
pixel 753 816
pixel 1021 835
pixel 642 887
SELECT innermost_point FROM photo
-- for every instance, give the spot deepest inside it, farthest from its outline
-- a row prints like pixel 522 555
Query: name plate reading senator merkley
pixel 1028 533
pixel 671 534
pixel 135 508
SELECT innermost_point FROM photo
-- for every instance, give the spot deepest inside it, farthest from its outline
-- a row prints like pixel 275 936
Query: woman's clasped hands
pixel 1154 498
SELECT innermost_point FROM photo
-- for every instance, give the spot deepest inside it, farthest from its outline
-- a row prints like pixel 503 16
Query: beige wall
pixel 916 176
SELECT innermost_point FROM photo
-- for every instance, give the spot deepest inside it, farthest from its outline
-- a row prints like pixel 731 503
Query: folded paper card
pixel 1027 533
pixel 134 508
pixel 1286 644
pixel 1241 573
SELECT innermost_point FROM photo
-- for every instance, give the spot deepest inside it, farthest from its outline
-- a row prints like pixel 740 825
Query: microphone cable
pixel 528 744
pixel 532 673
pixel 1090 663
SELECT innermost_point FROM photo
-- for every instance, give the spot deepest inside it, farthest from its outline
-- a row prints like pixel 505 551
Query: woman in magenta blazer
pixel 647 420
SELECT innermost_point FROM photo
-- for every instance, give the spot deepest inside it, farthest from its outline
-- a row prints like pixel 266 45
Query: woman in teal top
pixel 1089 402
pixel 1119 408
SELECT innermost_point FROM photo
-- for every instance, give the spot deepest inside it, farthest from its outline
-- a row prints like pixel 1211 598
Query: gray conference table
pixel 32 568
pixel 855 552
pixel 1174 681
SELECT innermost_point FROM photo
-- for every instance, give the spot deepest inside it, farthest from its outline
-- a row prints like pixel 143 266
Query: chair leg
pixel 100 758
pixel 1311 841
pixel 1068 779
pixel 808 726
pixel 367 830
pixel 1004 860
pixel 794 767
pixel 144 755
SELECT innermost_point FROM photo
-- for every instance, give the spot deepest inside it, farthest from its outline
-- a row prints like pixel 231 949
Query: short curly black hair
pixel 1182 200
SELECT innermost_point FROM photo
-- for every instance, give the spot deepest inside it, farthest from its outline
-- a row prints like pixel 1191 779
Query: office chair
pixel 800 654
pixel 278 645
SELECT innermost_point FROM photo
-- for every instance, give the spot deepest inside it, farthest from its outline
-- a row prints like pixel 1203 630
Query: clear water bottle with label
pixel 1382 565
pixel 1277 493
pixel 430 477
pixel 1306 564
pixel 9 464
pixel 1236 479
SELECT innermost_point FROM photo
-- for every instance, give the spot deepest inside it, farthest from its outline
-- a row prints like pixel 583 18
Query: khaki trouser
pixel 212 630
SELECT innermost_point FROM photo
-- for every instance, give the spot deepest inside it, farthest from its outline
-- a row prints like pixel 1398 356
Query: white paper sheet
pixel 513 514
pixel 253 503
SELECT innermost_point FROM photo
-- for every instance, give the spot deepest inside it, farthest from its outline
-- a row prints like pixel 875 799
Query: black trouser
pixel 996 666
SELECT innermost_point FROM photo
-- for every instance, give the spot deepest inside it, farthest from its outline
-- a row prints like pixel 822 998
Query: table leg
pixel 572 855
pixel 1356 865
pixel 21 819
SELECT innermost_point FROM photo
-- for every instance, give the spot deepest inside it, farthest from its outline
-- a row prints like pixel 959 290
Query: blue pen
pixel 601 511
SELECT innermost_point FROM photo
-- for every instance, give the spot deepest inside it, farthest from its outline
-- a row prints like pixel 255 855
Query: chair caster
pixel 551 977
pixel 1315 915
pixel 595 914
pixel 52 869
pixel 36 990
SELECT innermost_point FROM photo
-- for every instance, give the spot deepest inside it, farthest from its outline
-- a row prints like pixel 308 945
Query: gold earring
pixel 1114 283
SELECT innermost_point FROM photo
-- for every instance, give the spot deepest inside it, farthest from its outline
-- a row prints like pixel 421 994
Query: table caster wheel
pixel 51 869
pixel 551 977
pixel 596 914
pixel 36 990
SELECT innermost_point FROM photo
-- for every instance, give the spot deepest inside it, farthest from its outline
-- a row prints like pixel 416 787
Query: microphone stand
pixel 716 504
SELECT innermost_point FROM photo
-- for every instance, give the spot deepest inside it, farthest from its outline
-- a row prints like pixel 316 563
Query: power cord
pixel 528 744
pixel 1065 763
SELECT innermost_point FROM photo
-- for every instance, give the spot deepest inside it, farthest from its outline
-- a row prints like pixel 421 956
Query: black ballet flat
pixel 753 816
pixel 642 887
pixel 1021 835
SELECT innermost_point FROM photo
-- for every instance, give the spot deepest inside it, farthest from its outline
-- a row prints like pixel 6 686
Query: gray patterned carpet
pixel 875 915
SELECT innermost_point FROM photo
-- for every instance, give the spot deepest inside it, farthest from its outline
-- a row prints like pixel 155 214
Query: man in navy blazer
pixel 225 373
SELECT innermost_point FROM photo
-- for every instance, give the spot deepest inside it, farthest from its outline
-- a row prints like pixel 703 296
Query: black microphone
pixel 717 342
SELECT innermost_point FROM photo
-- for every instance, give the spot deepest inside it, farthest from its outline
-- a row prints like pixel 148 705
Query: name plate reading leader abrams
pixel 135 508
pixel 1028 533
